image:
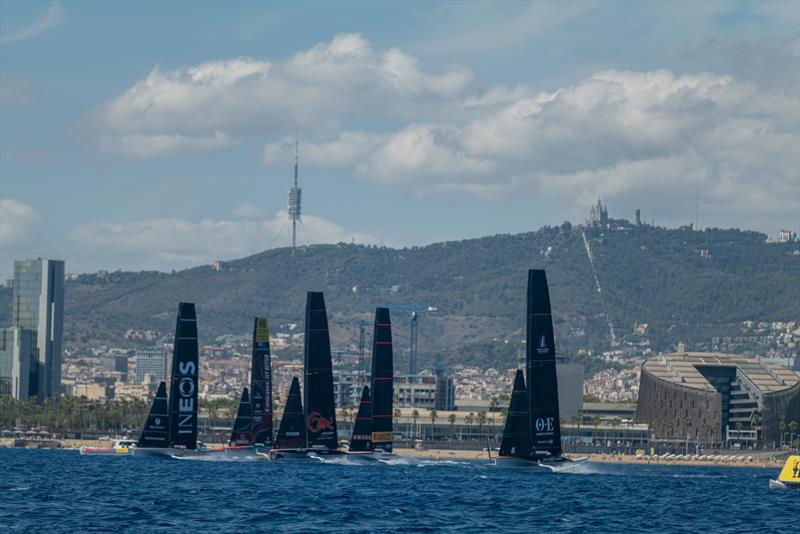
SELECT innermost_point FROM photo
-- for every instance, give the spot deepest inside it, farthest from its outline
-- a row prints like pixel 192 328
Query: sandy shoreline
pixel 757 460
pixel 441 454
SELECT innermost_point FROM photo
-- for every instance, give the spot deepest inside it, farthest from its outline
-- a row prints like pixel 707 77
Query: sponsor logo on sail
pixel 381 437
pixel 317 423
pixel 186 390
pixel 542 348
pixel 544 424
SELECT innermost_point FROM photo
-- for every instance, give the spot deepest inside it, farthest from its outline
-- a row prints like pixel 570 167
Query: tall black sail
pixel 382 381
pixel 516 435
pixel 156 429
pixel 318 387
pixel 545 427
pixel 183 384
pixel 362 429
pixel 261 383
pixel 242 433
pixel 292 430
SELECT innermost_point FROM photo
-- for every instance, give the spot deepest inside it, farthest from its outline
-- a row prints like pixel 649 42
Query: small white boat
pixel 121 447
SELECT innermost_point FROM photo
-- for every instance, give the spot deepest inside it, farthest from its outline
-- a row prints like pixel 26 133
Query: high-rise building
pixel 16 347
pixel 152 363
pixel 38 307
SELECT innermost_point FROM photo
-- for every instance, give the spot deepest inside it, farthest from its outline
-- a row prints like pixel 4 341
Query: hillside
pixel 687 286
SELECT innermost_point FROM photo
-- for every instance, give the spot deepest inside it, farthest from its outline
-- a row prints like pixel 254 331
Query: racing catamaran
pixel 253 425
pixel 532 435
pixel 180 436
pixel 321 438
pixel 382 383
pixel 361 440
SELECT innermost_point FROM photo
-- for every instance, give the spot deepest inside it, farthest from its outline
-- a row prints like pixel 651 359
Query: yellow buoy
pixel 790 474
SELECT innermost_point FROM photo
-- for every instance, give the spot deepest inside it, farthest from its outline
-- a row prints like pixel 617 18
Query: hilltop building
pixel 715 398
pixel 30 350
pixel 598 216
pixel 786 236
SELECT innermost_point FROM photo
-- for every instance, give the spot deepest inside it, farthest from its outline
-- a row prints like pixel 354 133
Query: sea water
pixel 62 491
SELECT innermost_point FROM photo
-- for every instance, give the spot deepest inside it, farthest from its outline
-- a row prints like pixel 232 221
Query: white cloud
pixel 346 150
pixel 424 153
pixel 53 17
pixel 20 226
pixel 318 88
pixel 176 243
pixel 615 133
pixel 157 145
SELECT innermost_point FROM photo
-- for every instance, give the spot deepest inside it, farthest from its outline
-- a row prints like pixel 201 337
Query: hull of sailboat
pixel 302 455
pixel 508 462
pixel 153 452
pixel 559 465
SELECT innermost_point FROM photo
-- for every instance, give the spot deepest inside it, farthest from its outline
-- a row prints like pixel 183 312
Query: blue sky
pixel 158 135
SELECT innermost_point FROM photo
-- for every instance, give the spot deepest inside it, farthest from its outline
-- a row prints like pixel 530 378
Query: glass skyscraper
pixel 151 363
pixel 38 308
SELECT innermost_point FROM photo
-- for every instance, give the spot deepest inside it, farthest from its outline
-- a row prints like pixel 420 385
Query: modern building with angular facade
pixel 712 398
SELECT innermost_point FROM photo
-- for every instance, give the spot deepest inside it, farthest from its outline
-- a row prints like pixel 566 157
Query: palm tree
pixel 414 416
pixel 468 419
pixel 481 421
pixel 614 424
pixel 434 416
pixel 793 428
pixel 492 405
pixel 452 420
pixel 596 423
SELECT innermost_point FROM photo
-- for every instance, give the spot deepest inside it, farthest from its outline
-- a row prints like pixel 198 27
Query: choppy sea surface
pixel 61 491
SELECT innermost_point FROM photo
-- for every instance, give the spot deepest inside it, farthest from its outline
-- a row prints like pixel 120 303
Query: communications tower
pixel 294 199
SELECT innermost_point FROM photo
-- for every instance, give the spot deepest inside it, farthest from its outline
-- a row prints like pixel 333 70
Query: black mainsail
pixel 183 383
pixel 242 433
pixel 261 384
pixel 361 441
pixel 516 434
pixel 545 427
pixel 382 381
pixel 318 387
pixel 156 429
pixel 292 430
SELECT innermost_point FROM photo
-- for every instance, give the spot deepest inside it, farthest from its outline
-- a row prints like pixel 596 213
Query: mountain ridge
pixel 685 285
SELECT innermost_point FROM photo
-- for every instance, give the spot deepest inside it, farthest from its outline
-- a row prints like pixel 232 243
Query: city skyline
pixel 417 123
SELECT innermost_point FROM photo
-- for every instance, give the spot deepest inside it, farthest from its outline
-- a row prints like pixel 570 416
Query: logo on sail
pixel 544 424
pixel 542 348
pixel 317 423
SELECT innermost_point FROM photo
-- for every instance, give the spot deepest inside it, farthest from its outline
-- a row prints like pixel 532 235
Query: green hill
pixel 686 285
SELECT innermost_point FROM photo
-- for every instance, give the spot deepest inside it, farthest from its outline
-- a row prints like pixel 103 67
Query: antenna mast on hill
pixel 295 198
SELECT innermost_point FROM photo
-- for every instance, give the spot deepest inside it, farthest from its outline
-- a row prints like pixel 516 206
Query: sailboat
pixel 154 434
pixel 180 436
pixel 253 425
pixel 361 440
pixel 261 384
pixel 242 432
pixel 291 438
pixel 532 435
pixel 382 383
pixel 321 438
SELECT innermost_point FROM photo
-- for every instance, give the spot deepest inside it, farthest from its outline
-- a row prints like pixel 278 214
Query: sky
pixel 161 135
